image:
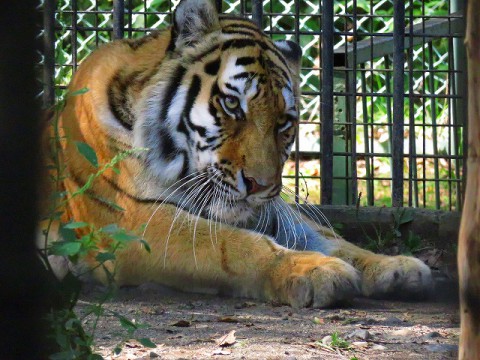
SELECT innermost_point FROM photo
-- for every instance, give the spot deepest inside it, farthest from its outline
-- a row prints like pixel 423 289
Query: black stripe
pixel 185 166
pixel 173 38
pixel 245 75
pixel 211 139
pixel 206 53
pixel 245 60
pixel 79 182
pixel 259 91
pixel 238 32
pixel 118 100
pixel 192 94
pixel 182 128
pixel 211 108
pixel 212 67
pixel 246 23
pixel 274 67
pixel 290 117
pixel 168 148
pixel 241 43
pixel 238 43
pixel 231 87
pixel 171 90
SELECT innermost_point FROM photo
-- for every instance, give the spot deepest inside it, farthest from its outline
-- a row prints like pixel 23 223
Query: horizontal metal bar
pixel 381 46
pixel 364 178
pixel 383 155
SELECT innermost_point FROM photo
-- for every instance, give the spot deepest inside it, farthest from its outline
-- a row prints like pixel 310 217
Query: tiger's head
pixel 220 118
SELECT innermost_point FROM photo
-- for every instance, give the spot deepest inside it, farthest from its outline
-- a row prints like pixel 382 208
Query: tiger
pixel 214 103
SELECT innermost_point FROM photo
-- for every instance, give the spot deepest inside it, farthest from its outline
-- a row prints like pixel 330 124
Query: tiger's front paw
pixel 396 276
pixel 310 279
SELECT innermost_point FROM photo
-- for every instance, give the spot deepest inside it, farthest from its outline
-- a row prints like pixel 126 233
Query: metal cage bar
pixel 48 53
pixel 398 102
pixel 118 22
pixel 327 102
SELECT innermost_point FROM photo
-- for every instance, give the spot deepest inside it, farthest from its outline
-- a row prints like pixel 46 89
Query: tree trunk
pixel 469 238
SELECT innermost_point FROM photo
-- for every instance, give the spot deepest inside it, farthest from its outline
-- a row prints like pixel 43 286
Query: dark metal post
pixel 118 12
pixel 398 100
pixel 74 35
pixel 48 53
pixel 327 102
pixel 257 12
pixel 218 4
pixel 460 88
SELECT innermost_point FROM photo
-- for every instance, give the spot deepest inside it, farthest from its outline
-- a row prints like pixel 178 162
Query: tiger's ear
pixel 292 53
pixel 193 19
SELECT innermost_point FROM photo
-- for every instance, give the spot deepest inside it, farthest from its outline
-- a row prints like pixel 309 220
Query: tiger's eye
pixel 231 103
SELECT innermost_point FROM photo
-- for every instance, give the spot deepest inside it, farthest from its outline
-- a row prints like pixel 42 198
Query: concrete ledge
pixel 435 227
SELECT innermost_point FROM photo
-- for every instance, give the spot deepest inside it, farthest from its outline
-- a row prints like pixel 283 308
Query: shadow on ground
pixel 191 326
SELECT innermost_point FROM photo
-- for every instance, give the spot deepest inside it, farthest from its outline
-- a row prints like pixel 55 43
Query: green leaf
pixel 71 324
pixel 110 229
pixel 78 92
pixel 95 309
pixel 62 248
pixel 147 342
pixel 123 237
pixel 75 225
pixel 87 152
pixel 67 234
pixel 95 357
pixel 406 217
pixel 145 244
pixel 105 256
pixel 117 350
pixel 127 324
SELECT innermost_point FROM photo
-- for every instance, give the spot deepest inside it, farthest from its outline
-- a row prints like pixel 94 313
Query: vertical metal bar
pixel 74 35
pixel 412 159
pixel 366 136
pixel 327 102
pixel 96 24
pixel 118 12
pixel 398 100
pixel 424 111
pixel 257 13
pixel 434 126
pixel 352 83
pixel 297 136
pixel 130 18
pixel 460 118
pixel 455 124
pixel 48 53
pixel 218 4
pixel 388 84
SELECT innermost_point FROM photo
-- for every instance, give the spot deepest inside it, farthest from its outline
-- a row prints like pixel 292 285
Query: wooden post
pixel 469 238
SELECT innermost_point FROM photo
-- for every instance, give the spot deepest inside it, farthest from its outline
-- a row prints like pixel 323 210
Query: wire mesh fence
pixel 383 88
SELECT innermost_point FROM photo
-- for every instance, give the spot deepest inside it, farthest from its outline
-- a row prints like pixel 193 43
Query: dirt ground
pixel 192 326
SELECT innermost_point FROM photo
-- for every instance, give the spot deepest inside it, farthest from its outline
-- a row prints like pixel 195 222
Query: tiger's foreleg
pixel 195 254
pixel 381 275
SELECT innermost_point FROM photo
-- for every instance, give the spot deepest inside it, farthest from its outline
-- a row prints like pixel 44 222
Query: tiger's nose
pixel 252 185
